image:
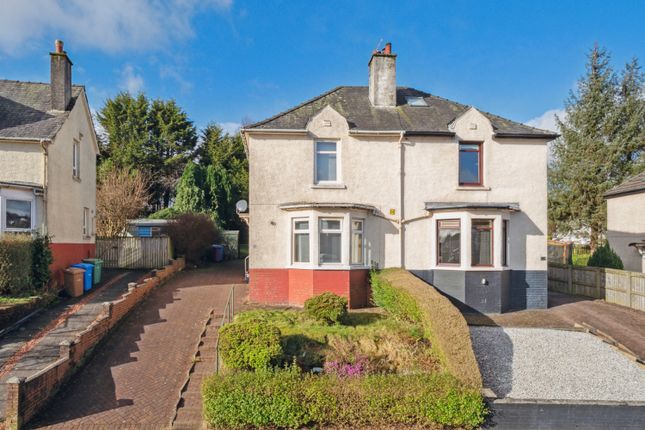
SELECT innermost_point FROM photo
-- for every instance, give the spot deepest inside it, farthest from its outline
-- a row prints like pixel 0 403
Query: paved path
pixel 625 325
pixel 134 379
pixel 36 344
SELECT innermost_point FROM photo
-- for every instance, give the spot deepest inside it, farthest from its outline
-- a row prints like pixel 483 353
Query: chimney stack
pixel 382 84
pixel 61 78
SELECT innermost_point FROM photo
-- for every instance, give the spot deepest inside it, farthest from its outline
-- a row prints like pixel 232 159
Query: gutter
pixel 273 131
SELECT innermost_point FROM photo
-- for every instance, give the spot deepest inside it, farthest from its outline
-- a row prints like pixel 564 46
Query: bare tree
pixel 121 195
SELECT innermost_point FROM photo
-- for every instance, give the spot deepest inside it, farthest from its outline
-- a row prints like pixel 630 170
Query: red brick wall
pixel 25 398
pixel 294 286
pixel 66 254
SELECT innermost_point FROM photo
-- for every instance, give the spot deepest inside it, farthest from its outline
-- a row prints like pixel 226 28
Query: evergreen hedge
pixel 24 264
pixel 604 256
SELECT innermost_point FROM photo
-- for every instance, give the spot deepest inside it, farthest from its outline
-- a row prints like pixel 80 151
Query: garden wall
pixel 26 396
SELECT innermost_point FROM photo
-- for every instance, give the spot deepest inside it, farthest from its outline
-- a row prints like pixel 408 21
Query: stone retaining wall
pixel 25 397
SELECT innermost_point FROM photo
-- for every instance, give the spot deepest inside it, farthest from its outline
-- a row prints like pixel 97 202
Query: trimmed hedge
pixel 604 256
pixel 285 398
pixel 407 297
pixel 15 264
pixel 250 345
pixel 327 308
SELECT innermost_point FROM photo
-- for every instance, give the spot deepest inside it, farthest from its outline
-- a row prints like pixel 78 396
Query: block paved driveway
pixel 134 378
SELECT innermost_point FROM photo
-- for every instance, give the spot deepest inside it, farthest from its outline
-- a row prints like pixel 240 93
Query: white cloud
pixel 230 127
pixel 546 121
pixel 131 81
pixel 112 26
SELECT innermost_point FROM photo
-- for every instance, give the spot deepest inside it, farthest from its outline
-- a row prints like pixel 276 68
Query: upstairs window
pixel 449 241
pixel 17 215
pixel 76 159
pixel 330 243
pixel 326 162
pixel 470 163
pixel 482 242
pixel 301 241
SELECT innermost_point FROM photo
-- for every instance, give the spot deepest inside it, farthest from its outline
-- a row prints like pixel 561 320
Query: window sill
pixel 472 188
pixel 327 266
pixel 329 186
pixel 76 178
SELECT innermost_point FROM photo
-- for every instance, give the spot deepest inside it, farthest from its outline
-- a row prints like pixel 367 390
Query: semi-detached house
pixel 48 151
pixel 385 176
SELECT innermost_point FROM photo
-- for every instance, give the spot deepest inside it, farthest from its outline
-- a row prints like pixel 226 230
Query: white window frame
pixel 76 159
pixel 338 231
pixel 3 205
pixel 338 165
pixel 86 223
pixel 351 241
pixel 295 232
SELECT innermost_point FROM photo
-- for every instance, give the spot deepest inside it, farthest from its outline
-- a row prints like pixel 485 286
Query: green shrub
pixel 15 264
pixel 285 398
pixel 604 256
pixel 393 300
pixel 250 345
pixel 41 260
pixel 192 234
pixel 407 297
pixel 327 308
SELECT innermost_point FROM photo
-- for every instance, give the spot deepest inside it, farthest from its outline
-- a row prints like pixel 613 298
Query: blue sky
pixel 231 61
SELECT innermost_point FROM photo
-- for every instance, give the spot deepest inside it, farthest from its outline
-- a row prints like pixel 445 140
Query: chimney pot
pixel 388 49
pixel 59 46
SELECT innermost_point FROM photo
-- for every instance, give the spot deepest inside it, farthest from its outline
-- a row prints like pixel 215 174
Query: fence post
pixel 570 279
pixel 629 289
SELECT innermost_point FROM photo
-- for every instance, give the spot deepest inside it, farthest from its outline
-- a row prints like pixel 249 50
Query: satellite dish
pixel 241 206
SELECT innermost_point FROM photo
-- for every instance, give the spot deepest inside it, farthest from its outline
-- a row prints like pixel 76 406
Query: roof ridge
pixel 36 83
pixel 256 124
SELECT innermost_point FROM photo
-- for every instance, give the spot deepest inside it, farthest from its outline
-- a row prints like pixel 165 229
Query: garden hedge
pixel 287 398
pixel 15 264
pixel 407 297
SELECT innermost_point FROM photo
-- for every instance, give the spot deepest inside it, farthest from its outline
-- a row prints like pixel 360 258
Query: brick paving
pixel 134 379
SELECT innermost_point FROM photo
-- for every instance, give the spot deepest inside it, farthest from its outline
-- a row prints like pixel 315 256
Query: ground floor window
pixel 330 240
pixel 301 253
pixel 505 242
pixel 449 241
pixel 357 242
pixel 18 214
pixel 86 222
pixel 482 242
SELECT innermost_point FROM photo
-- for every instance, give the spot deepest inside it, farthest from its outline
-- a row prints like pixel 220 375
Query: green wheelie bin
pixel 98 266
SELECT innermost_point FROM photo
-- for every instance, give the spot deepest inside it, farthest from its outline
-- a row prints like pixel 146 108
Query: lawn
pixel 9 300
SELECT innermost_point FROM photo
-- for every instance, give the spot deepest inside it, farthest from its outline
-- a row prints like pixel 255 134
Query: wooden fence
pixel 134 252
pixel 614 286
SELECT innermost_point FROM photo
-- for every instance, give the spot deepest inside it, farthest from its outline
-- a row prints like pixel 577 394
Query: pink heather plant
pixel 357 368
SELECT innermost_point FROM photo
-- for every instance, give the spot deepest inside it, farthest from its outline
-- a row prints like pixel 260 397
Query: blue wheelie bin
pixel 87 277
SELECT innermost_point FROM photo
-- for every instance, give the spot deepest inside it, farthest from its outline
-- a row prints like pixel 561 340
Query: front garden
pixel 395 365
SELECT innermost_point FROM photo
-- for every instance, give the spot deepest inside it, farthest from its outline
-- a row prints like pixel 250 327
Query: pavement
pixel 135 377
pixel 36 343
pixel 625 325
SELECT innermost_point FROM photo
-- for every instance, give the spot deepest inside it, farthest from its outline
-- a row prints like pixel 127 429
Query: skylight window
pixel 415 101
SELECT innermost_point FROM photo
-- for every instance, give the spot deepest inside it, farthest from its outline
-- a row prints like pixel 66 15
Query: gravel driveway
pixel 528 363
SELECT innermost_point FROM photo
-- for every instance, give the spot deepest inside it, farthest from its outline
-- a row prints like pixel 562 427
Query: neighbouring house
pixel 626 222
pixel 386 176
pixel 48 151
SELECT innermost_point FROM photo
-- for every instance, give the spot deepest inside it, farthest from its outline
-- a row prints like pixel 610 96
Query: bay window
pixel 482 242
pixel 449 241
pixel 505 242
pixel 357 242
pixel 326 162
pixel 330 243
pixel 301 253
